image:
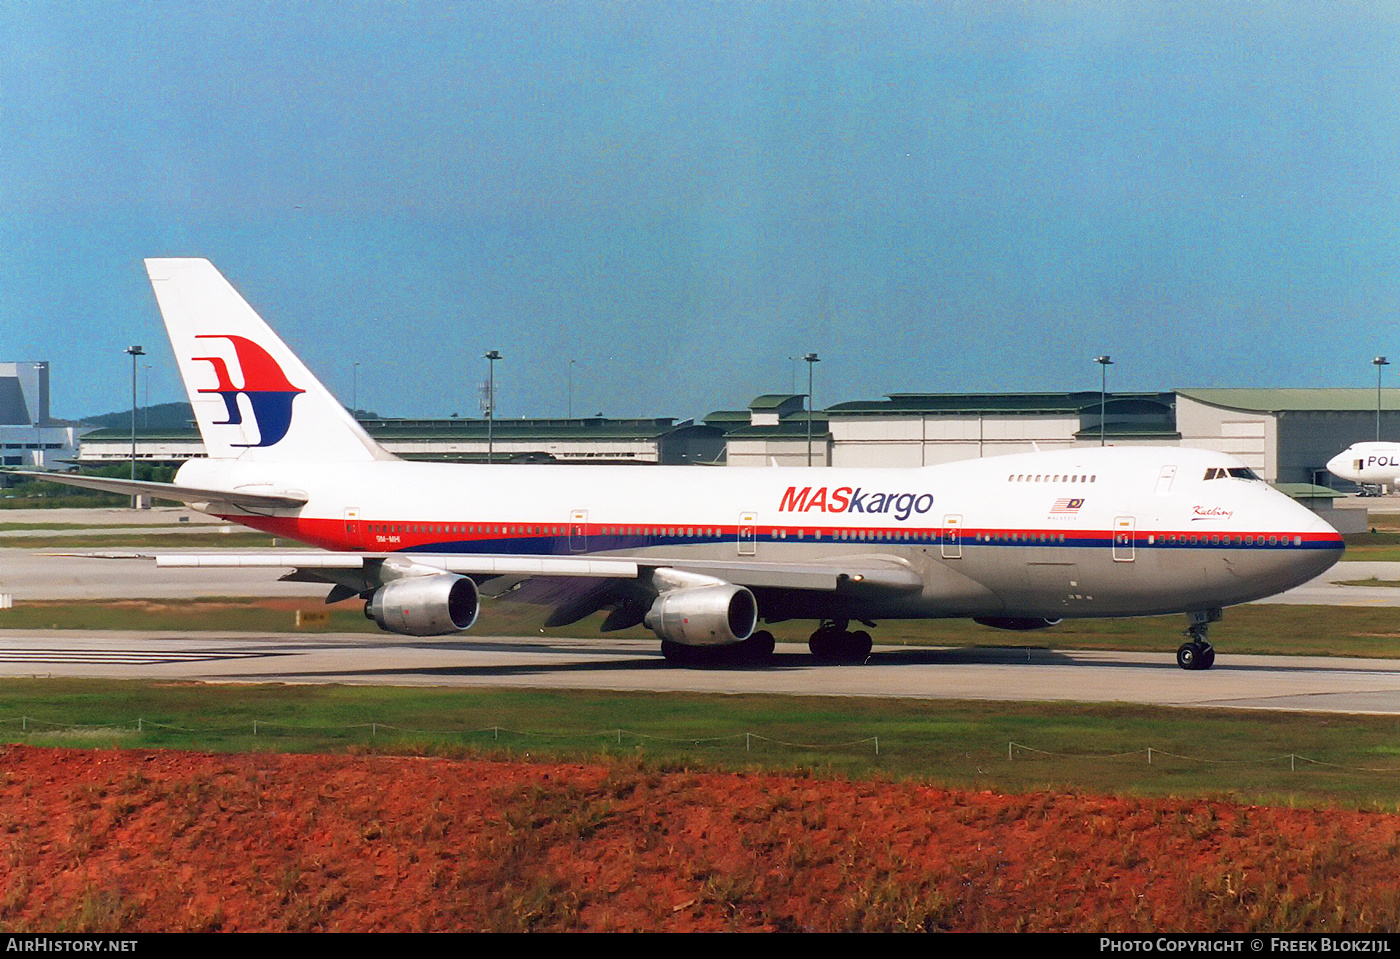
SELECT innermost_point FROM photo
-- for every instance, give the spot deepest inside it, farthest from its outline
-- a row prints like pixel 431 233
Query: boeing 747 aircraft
pixel 704 556
pixel 1372 463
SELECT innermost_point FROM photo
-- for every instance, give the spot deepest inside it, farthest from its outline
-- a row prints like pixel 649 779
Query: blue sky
pixel 679 196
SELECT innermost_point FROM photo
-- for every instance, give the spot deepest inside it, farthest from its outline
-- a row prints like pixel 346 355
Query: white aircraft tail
pixel 253 399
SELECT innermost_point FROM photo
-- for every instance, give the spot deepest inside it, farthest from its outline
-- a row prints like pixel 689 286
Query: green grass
pixel 231 614
pixel 1239 755
pixel 61 498
pixel 1381 546
pixel 1376 554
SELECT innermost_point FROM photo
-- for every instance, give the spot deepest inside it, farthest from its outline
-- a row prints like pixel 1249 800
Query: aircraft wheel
pixel 839 646
pixel 677 654
pixel 860 645
pixel 1188 656
pixel 758 648
pixel 1208 657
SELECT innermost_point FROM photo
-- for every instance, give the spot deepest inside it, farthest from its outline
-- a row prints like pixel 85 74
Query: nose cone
pixel 1341 465
pixel 1318 546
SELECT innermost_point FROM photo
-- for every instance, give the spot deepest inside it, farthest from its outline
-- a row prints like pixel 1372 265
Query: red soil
pixel 146 841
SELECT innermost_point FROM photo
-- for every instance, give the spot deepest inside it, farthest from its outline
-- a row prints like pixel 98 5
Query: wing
pixel 876 572
pixel 425 590
pixel 573 587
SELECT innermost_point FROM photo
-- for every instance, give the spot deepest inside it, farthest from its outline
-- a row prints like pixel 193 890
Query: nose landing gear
pixel 1197 652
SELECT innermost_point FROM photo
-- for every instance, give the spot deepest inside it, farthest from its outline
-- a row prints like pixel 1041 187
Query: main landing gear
pixel 757 650
pixel 834 643
pixel 1197 652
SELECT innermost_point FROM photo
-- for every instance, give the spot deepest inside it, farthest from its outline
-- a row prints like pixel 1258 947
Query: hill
pixel 160 416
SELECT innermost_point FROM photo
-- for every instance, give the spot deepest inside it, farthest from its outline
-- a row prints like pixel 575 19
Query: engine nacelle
pixel 1016 622
pixel 704 615
pixel 425 605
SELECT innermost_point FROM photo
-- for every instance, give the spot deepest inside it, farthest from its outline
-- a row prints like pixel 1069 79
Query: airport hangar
pixel 1284 435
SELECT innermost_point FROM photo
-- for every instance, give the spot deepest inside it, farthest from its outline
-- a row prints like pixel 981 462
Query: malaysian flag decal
pixel 1063 506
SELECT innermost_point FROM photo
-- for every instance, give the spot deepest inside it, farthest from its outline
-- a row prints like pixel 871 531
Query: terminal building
pixel 28 436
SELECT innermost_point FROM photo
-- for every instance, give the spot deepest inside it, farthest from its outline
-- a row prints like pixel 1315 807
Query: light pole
pixel 1104 362
pixel 491 357
pixel 355 391
pixel 38 432
pixel 135 351
pixel 812 359
pixel 1380 361
pixel 571 390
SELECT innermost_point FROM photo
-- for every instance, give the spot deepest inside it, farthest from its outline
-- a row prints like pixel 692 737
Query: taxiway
pixel 1237 682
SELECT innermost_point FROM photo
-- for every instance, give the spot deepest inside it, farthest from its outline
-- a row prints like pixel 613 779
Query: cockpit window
pixel 1234 472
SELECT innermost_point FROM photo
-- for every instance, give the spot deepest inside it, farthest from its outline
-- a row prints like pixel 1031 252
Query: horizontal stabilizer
pixel 247 498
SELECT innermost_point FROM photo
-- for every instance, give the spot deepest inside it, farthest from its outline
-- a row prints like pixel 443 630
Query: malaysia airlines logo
pixel 266 387
pixel 1066 507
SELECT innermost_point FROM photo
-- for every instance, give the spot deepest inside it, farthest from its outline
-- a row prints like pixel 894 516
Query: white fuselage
pixel 1370 463
pixel 1087 532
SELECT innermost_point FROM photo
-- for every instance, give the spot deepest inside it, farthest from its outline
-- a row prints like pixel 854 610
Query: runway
pixel 1237 682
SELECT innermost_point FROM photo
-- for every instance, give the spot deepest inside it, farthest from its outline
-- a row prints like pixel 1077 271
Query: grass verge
pixel 1266 758
pixel 224 614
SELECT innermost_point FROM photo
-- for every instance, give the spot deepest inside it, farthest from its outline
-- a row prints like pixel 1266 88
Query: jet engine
pixel 425 605
pixel 714 615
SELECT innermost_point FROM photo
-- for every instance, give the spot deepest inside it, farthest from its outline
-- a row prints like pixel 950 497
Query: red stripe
pixel 334 534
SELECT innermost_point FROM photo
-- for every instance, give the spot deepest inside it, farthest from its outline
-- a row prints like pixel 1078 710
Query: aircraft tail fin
pixel 253 398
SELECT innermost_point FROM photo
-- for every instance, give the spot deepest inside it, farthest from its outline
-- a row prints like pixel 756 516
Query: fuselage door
pixel 354 529
pixel 748 534
pixel 1164 480
pixel 578 531
pixel 1124 528
pixel 951 539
